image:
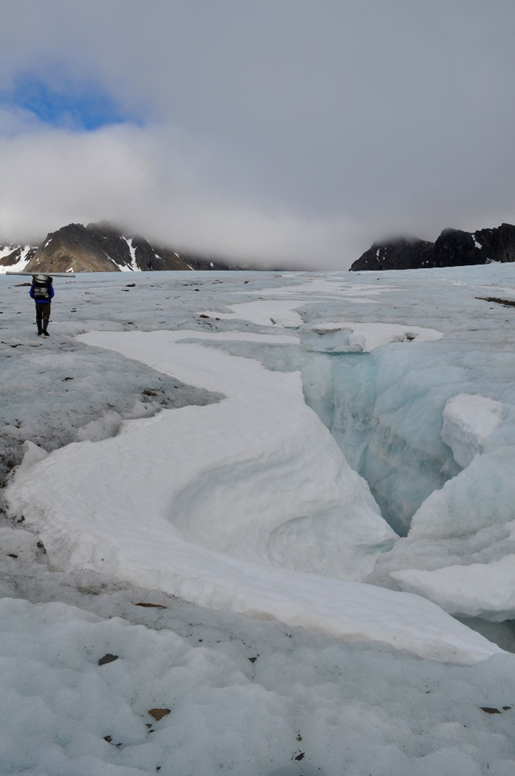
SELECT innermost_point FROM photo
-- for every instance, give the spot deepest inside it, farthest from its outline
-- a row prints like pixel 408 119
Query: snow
pixel 133 265
pixel 22 261
pixel 263 313
pixel 227 713
pixel 6 250
pixel 467 422
pixel 201 499
pixel 224 491
pixel 349 337
pixel 323 287
pixel 496 581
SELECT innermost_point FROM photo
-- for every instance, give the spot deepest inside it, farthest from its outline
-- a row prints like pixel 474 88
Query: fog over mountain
pixel 103 247
pixel 453 248
pixel 291 133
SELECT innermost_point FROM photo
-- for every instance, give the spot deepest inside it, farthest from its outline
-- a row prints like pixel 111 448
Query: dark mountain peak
pixel 453 248
pixel 408 239
pixel 104 228
pixel 99 247
pixel 392 253
pixel 76 231
pixel 103 247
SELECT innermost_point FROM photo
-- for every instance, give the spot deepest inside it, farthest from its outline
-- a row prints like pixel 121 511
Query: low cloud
pixel 162 186
pixel 270 132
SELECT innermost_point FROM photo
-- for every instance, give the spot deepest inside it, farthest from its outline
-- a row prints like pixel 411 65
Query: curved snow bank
pixel 257 461
pixel 468 420
pixel 257 478
pixel 143 552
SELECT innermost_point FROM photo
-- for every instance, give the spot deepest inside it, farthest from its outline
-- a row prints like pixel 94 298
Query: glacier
pixel 303 481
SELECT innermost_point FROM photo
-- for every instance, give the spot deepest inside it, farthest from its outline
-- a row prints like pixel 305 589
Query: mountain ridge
pixel 102 247
pixel 453 248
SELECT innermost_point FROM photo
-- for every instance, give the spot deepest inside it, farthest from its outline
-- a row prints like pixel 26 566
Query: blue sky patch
pixel 64 103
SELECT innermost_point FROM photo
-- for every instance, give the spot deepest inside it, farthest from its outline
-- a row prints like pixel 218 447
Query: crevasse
pixel 385 412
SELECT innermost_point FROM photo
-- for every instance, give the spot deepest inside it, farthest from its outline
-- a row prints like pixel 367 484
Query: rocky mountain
pixel 100 248
pixel 453 248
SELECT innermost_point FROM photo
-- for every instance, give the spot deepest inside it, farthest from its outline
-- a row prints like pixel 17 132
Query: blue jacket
pixel 42 301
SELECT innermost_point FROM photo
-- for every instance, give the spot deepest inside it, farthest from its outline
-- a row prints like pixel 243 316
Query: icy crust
pixel 190 500
pixel 348 337
pixel 253 699
pixel 18 545
pixel 467 422
pixel 484 590
pixel 271 312
pixel 58 391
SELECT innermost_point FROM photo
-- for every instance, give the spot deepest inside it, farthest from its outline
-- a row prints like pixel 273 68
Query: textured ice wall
pixel 385 411
pixel 430 428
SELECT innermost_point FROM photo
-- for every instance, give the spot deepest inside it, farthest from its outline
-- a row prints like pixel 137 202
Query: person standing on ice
pixel 42 292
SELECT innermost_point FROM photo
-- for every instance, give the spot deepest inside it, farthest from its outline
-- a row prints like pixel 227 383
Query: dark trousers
pixel 42 315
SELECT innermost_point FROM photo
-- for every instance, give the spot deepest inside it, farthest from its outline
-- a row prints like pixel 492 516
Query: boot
pixel 40 329
pixel 45 332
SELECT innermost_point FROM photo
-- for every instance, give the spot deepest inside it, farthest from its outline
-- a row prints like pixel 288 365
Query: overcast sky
pixel 290 131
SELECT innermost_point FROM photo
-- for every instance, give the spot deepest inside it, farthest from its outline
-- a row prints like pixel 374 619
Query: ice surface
pixel 244 698
pixel 256 476
pixel 340 337
pixel 263 313
pixel 20 545
pixel 370 335
pixel 51 391
pixel 366 707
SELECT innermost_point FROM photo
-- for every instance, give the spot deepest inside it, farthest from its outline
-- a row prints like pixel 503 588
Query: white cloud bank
pixel 287 131
pixel 159 185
